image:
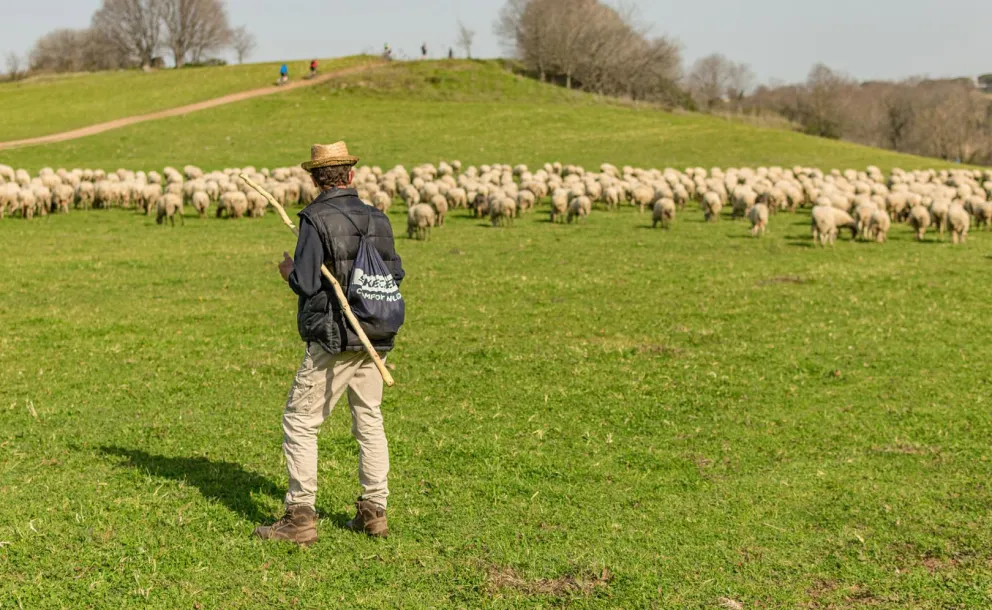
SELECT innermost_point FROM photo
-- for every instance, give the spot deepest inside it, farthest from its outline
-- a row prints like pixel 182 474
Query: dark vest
pixel 320 318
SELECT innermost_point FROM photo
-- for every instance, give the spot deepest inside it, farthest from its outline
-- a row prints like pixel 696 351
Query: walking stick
pixel 342 299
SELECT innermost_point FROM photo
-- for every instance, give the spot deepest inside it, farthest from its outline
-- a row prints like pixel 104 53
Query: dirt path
pixel 162 114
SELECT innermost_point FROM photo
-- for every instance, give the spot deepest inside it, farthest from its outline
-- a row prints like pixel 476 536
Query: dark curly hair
pixel 330 177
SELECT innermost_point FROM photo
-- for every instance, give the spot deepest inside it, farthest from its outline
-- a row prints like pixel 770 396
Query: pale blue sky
pixel 780 39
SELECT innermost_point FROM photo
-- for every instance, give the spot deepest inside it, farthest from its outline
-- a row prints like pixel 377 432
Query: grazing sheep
pixel 149 198
pixel 382 201
pixel 663 213
pixel 26 203
pixel 525 201
pixel 919 220
pixel 480 206
pixel 712 205
pixel 982 211
pixel 959 222
pixel 502 211
pixel 232 204
pixel 743 200
pixel 410 195
pixel 62 198
pixel 419 220
pixel 457 198
pixel 256 204
pixel 579 208
pixel 642 196
pixel 201 202
pixel 559 205
pixel 440 204
pixel 827 222
pixel 758 215
pixel 938 214
pixel 168 206
pixel 878 226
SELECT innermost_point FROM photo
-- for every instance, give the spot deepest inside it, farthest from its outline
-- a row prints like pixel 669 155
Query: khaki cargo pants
pixel 318 386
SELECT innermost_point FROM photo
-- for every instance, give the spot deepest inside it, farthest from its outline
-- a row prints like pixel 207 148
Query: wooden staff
pixel 342 299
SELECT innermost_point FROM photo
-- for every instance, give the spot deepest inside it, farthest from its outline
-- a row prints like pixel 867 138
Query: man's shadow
pixel 224 482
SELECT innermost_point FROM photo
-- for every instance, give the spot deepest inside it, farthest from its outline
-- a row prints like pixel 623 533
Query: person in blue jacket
pixel 283 73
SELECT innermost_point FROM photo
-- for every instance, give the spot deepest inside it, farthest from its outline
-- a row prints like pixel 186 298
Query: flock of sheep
pixel 864 202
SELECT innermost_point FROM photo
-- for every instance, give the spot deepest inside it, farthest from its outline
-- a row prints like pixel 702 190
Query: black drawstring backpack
pixel 373 295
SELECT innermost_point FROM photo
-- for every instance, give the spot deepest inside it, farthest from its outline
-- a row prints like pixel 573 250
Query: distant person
pixel 283 74
pixel 451 53
pixel 423 50
pixel 313 68
pixel 387 51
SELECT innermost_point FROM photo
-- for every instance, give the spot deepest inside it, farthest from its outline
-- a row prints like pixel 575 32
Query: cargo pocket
pixel 300 399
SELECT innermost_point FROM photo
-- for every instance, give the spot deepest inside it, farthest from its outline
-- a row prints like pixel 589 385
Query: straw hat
pixel 329 155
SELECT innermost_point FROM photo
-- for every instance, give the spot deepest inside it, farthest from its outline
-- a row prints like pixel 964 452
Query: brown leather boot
pixel 370 519
pixel 298 525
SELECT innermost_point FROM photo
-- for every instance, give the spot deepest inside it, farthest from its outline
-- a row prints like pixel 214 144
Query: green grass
pixel 426 111
pixel 49 105
pixel 701 414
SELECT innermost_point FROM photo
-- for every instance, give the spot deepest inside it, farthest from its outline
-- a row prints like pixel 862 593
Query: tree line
pixel 133 33
pixel 589 45
pixel 949 119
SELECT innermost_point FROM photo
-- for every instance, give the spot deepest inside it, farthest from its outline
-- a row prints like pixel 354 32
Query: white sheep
pixel 168 206
pixel 502 211
pixel 938 214
pixel 919 220
pixel 642 196
pixel 663 213
pixel 758 215
pixel 826 222
pixel 440 204
pixel 712 205
pixel 959 221
pixel 559 205
pixel 878 226
pixel 382 201
pixel 419 220
pixel 201 203
pixel 233 204
pixel 579 208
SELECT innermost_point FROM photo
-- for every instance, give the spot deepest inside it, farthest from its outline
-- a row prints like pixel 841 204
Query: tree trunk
pixel 568 80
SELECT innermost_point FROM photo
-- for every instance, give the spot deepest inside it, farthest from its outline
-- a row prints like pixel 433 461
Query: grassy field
pixel 47 105
pixel 586 416
pixel 425 111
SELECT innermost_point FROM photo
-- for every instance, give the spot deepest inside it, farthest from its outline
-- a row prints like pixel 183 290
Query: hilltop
pixel 410 112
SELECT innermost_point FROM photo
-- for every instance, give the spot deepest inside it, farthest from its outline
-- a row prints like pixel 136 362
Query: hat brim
pixel 329 162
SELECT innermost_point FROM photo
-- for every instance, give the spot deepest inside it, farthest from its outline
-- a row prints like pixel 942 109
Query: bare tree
pixel 14 65
pixel 133 26
pixel 740 80
pixel 194 28
pixel 465 39
pixel 243 42
pixel 58 51
pixel 589 44
pixel 708 80
pixel 823 104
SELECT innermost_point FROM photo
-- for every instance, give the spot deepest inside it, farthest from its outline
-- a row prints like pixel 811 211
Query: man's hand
pixel 285 266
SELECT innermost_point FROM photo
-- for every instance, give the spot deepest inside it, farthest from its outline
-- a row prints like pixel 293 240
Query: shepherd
pixel 355 243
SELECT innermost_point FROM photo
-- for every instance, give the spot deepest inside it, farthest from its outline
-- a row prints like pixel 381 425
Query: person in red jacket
pixel 313 68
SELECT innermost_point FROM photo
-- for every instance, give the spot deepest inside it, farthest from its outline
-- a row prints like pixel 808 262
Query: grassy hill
pixel 53 104
pixel 593 415
pixel 424 111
